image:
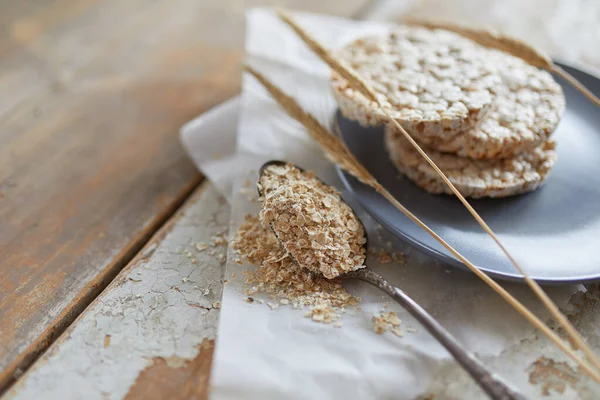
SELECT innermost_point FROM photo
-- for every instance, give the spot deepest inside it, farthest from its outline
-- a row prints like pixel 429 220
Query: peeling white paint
pixel 160 307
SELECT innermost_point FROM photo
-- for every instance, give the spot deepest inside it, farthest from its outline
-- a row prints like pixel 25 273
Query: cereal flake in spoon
pixel 315 226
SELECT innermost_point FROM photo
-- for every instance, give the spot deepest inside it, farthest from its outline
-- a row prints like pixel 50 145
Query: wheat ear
pixel 338 152
pixel 358 84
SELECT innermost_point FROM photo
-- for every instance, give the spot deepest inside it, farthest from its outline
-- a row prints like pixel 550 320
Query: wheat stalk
pixel 357 83
pixel 338 152
pixel 510 45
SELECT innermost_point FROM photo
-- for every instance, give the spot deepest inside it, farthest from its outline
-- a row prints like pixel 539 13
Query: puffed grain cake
pixel 435 80
pixel 527 108
pixel 473 178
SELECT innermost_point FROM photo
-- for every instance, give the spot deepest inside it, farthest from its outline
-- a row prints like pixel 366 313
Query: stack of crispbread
pixel 483 116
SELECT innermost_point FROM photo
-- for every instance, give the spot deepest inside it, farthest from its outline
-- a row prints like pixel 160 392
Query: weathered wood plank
pixel 91 166
pixel 22 24
pixel 92 94
pixel 151 331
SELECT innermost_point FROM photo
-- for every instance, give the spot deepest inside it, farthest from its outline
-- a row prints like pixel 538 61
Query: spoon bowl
pixel 491 384
pixel 282 163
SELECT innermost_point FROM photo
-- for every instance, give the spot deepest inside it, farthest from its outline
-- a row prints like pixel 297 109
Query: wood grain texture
pixel 151 333
pixel 92 94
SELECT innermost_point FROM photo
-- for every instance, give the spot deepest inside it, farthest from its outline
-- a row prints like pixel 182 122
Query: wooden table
pixel 92 95
pixel 99 206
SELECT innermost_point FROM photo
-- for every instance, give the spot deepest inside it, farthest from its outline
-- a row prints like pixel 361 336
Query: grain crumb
pixel 387 321
pixel 281 279
pixel 397 331
pixel 324 313
pixel 201 246
pixel 384 257
pixel 217 304
pixel 219 240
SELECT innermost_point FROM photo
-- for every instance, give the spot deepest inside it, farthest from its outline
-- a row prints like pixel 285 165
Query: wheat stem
pixel 363 87
pixel 576 338
pixel 331 143
pixel 578 85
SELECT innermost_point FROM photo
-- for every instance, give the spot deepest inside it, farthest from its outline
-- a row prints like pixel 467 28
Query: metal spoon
pixel 490 383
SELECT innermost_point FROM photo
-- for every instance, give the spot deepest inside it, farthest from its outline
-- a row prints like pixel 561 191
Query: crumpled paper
pixel 266 354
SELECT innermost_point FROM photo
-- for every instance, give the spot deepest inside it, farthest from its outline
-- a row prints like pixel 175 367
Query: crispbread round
pixel 435 80
pixel 473 178
pixel 527 108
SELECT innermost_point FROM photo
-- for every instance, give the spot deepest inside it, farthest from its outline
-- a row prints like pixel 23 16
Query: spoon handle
pixel 490 383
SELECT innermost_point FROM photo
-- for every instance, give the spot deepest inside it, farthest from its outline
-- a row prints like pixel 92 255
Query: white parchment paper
pixel 279 354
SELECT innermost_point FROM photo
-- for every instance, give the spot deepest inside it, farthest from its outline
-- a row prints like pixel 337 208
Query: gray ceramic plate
pixel 553 232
